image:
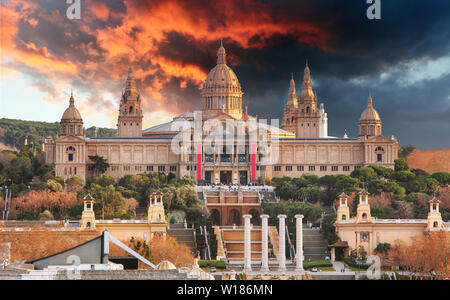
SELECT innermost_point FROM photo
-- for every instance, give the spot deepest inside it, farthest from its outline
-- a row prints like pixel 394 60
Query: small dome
pixel 370 114
pixel 71 113
pixel 221 78
pixel 165 265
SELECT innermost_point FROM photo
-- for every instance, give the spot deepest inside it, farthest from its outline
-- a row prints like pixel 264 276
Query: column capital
pixel 264 216
pixel 282 216
pixel 299 216
pixel 247 216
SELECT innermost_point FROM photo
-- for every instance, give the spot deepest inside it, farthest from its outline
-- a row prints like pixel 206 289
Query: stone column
pixel 281 243
pixel 265 245
pixel 247 244
pixel 299 243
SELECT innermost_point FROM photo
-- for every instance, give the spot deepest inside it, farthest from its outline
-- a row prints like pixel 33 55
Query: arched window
pixel 307 109
pixel 364 217
pixel 131 109
pixel 70 151
pixel 344 217
pixel 379 153
pixel 435 224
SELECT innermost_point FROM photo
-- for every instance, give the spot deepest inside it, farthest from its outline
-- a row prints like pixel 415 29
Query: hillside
pixel 13 132
pixel 430 161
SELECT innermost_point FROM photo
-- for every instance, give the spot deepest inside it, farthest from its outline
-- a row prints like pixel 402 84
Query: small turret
pixel 343 211
pixel 434 220
pixel 363 210
pixel 88 214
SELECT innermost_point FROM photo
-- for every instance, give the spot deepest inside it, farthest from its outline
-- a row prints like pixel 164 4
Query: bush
pixel 212 263
pixel 316 264
pixel 352 263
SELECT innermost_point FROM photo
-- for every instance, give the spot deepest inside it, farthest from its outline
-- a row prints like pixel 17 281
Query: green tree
pixel 364 174
pixel 112 203
pixel 442 177
pixel 400 164
pixel 99 164
pixel 404 151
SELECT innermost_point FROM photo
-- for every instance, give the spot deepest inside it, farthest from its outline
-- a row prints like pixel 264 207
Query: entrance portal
pixel 234 218
pixel 225 177
pixel 208 176
pixel 243 177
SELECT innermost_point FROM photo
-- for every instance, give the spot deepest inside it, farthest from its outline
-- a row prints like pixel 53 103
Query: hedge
pixel 212 263
pixel 317 264
pixel 352 263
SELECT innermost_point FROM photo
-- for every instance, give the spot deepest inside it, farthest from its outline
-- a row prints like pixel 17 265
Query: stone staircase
pixel 315 247
pixel 233 241
pixel 183 235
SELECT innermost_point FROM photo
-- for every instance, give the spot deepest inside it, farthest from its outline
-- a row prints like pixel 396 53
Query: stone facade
pixel 302 143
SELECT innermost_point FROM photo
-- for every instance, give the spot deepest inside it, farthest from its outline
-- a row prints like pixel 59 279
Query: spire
pixel 221 55
pixel 370 101
pixel 307 91
pixel 292 98
pixel 71 100
pixel 130 85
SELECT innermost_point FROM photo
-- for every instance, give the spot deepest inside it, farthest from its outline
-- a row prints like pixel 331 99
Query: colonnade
pixel 281 244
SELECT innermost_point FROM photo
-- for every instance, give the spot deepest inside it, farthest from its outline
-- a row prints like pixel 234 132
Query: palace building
pixel 301 144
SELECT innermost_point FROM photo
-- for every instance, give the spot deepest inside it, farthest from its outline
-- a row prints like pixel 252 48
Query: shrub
pixel 212 263
pixel 316 264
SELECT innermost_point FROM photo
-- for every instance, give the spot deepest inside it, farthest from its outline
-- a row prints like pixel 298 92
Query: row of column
pixel 281 244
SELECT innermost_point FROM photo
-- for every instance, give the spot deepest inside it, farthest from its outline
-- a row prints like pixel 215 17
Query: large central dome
pixel 221 89
pixel 221 78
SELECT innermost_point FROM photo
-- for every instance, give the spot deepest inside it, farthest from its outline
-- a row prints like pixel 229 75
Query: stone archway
pixel 234 217
pixel 215 217
pixel 255 220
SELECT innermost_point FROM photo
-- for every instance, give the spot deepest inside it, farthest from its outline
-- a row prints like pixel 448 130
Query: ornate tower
pixel 290 109
pixel 363 209
pixel 369 122
pixel 308 115
pixel 156 208
pixel 129 123
pixel 71 122
pixel 434 220
pixel 88 214
pixel 343 211
pixel 222 91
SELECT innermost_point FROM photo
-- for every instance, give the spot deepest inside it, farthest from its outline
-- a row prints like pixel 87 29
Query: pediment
pixel 70 139
pixel 222 116
pixel 379 138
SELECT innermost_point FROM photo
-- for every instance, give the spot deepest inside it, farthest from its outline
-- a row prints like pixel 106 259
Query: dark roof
pixel 342 244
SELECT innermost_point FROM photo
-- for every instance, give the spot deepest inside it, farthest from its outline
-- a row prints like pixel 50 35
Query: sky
pixel 402 59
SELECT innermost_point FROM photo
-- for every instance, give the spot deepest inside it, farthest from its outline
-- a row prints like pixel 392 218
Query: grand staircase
pixel 315 247
pixel 183 235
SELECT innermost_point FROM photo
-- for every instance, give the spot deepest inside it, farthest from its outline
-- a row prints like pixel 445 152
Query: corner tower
pixel 369 122
pixel 221 90
pixel 71 122
pixel 308 115
pixel 129 123
pixel 290 109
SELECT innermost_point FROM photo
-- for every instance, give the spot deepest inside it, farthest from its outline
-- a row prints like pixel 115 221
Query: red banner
pixel 253 158
pixel 199 161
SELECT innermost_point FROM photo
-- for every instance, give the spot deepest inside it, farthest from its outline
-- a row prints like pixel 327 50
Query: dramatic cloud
pixel 403 59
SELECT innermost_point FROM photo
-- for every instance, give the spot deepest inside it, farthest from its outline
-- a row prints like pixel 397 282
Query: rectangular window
pixel 277 168
pixel 357 167
pixel 288 168
pixel 334 168
pixel 345 168
pixel 323 168
pixel 149 168
pixel 311 168
pixel 70 156
pixel 173 168
pixel 161 168
pixel 379 157
pixel 300 168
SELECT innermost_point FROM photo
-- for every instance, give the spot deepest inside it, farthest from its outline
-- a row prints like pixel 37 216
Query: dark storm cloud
pixel 265 41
